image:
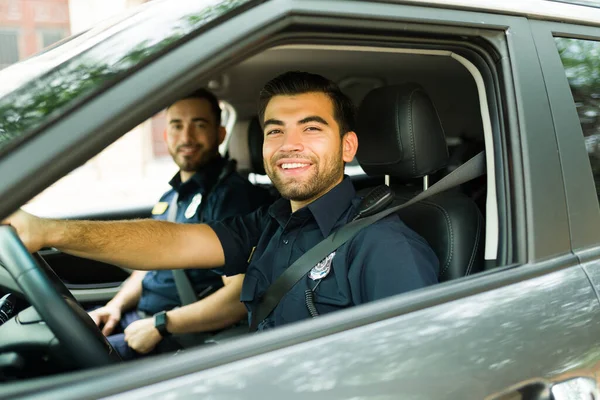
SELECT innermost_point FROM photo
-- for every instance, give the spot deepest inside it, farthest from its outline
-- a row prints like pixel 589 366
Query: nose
pixel 188 133
pixel 292 140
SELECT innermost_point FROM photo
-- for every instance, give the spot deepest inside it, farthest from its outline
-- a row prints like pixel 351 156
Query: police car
pixel 517 314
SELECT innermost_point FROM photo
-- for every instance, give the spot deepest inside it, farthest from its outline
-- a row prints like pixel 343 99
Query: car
pixel 519 318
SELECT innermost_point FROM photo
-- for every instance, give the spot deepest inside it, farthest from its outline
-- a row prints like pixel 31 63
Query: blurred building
pixel 131 172
pixel 27 26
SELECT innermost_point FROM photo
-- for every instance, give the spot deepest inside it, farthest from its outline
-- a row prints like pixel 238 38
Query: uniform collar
pixel 203 179
pixel 326 210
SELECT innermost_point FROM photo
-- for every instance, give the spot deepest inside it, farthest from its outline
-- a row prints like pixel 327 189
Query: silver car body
pixel 529 324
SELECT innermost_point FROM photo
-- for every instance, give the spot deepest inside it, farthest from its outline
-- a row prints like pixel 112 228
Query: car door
pixel 570 55
pixel 519 327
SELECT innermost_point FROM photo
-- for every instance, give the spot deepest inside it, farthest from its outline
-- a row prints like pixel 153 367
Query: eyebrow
pixel 197 119
pixel 274 122
pixel 311 118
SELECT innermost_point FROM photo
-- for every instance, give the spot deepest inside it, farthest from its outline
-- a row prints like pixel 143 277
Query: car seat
pixel 400 136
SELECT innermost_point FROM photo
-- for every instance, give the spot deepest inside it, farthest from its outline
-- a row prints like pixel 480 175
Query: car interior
pixel 419 118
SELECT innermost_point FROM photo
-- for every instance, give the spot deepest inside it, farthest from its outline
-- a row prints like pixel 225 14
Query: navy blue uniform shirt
pixel 384 259
pixel 232 196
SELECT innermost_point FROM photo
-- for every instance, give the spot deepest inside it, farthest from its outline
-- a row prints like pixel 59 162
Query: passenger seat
pixel 245 146
pixel 400 135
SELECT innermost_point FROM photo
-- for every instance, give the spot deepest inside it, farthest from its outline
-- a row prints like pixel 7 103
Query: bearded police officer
pixel 308 129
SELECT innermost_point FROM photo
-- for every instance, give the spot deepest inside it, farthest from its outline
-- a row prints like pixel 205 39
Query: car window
pixel 132 173
pixel 67 75
pixel 581 60
pixel 589 3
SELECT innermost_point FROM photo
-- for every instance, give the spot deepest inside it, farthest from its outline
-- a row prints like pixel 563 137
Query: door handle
pixel 576 388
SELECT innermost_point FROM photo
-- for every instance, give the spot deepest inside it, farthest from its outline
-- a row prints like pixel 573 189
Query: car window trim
pixel 582 201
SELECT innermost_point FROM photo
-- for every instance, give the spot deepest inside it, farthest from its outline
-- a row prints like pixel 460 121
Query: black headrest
pixel 400 133
pixel 255 145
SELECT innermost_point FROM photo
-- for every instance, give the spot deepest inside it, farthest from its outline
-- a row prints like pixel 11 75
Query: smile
pixel 187 149
pixel 294 165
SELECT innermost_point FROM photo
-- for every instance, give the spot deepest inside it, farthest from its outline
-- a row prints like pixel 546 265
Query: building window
pixel 9 48
pixel 49 37
pixel 11 9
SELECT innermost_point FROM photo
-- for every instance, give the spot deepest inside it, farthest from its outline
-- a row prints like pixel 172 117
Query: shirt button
pixel 285 241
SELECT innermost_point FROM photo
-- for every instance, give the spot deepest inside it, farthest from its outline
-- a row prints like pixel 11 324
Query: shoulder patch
pixel 160 208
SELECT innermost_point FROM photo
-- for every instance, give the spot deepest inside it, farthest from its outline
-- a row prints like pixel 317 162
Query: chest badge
pixel 193 207
pixel 322 269
pixel 160 208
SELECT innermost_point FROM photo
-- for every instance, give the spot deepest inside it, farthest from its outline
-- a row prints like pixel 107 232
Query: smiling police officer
pixel 308 126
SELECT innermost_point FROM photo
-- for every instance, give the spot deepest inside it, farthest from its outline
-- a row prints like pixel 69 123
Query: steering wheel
pixel 70 323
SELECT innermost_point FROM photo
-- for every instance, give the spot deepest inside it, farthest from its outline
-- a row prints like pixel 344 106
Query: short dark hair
pixel 297 82
pixel 208 96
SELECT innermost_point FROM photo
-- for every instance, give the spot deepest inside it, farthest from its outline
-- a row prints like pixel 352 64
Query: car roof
pixel 580 11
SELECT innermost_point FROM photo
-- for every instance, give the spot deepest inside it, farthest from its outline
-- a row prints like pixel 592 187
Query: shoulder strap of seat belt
pixel 186 292
pixel 470 170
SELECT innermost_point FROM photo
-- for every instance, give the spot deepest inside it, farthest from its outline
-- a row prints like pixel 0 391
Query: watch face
pixel 160 322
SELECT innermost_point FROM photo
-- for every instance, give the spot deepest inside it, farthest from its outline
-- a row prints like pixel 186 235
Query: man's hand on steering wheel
pixel 31 229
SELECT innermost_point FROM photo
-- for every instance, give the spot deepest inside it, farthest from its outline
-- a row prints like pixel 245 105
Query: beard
pixel 193 162
pixel 312 185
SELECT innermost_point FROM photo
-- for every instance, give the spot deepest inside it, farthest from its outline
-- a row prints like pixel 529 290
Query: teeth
pixel 293 165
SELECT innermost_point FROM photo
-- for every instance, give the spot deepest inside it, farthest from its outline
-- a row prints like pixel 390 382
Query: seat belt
pixel 473 168
pixel 187 294
pixel 186 291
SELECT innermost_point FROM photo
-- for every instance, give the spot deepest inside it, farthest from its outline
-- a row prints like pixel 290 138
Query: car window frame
pixel 582 201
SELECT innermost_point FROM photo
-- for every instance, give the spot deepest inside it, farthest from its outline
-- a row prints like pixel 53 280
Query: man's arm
pixel 130 293
pixel 219 310
pixel 141 244
pixel 391 260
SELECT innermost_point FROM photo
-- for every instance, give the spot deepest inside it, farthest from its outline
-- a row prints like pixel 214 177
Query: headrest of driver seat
pixel 400 133
pixel 255 145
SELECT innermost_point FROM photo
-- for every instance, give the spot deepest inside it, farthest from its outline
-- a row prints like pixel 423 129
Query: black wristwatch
pixel 160 323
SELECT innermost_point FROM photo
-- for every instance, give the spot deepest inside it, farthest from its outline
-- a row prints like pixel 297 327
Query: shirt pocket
pixel 331 294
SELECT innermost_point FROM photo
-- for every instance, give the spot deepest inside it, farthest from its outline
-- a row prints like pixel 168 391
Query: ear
pixel 165 134
pixel 349 146
pixel 222 133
